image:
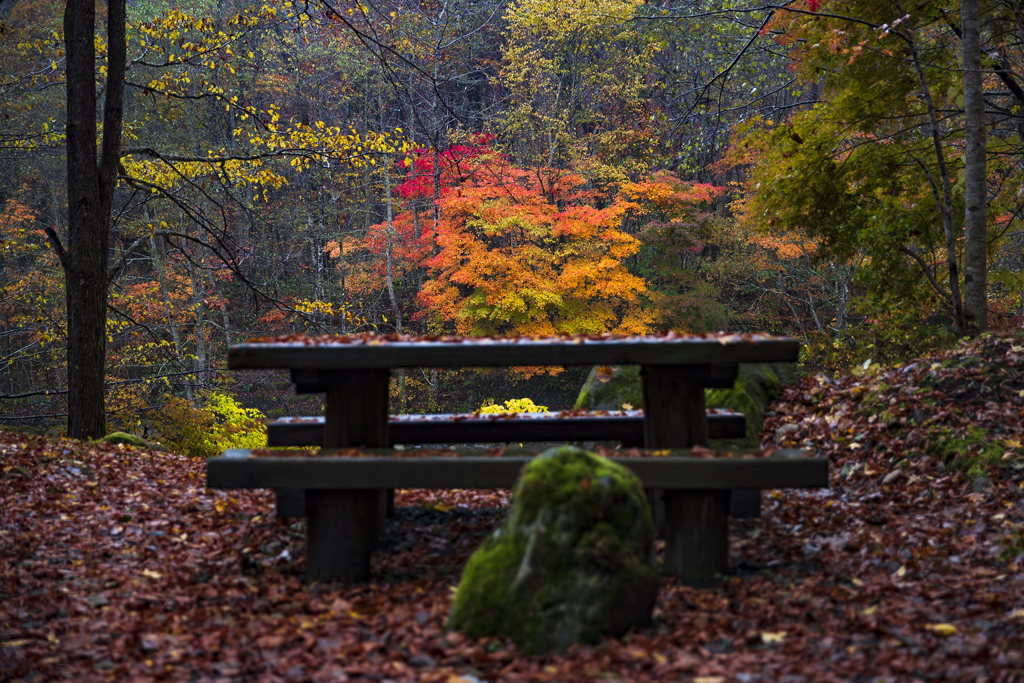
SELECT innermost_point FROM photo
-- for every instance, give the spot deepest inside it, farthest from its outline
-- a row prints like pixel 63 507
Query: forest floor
pixel 118 564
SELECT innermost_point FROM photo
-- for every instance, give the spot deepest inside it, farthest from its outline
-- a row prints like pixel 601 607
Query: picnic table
pixel 343 491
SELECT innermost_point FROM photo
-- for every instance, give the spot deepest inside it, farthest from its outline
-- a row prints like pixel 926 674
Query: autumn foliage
pixel 516 251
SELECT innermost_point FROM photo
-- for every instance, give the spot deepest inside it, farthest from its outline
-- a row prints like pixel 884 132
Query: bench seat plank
pixel 784 469
pixel 624 426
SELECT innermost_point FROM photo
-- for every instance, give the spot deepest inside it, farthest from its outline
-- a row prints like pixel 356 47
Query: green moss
pixel 625 388
pixel 131 440
pixel 757 384
pixel 971 452
pixel 573 562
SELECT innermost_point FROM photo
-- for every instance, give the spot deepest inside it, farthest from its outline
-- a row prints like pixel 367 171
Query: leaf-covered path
pixel 117 564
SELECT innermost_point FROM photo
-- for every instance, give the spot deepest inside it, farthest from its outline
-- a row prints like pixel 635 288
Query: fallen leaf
pixel 942 629
pixel 768 637
pixel 604 373
pixel 149 573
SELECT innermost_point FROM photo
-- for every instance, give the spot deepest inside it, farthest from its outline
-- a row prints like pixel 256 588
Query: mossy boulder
pixel 131 440
pixel 757 384
pixel 612 390
pixel 574 560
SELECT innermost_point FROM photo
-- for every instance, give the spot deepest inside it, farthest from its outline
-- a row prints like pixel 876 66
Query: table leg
pixel 674 414
pixel 343 526
pixel 290 503
pixel 674 417
pixel 745 503
pixel 356 408
pixel 697 534
pixel 341 533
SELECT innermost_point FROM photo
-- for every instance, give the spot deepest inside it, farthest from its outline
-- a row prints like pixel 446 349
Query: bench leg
pixel 657 504
pixel 290 503
pixel 697 534
pixel 745 504
pixel 341 532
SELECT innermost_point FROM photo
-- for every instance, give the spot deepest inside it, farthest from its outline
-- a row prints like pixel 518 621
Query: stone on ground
pixel 131 440
pixel 574 560
pixel 612 390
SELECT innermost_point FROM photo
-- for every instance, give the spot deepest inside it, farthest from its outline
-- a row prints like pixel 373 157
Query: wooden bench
pixel 344 495
pixel 624 426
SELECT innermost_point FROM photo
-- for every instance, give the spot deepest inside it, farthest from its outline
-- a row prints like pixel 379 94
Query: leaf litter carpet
pixel 118 564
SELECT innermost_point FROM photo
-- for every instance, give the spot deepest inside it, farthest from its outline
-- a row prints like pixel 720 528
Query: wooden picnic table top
pixel 366 351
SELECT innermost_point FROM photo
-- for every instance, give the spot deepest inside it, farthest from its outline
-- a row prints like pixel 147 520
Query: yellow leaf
pixel 942 629
pixel 627 406
pixel 149 573
pixel 901 571
pixel 870 610
pixel 604 373
pixel 709 679
pixel 16 643
pixel 1017 614
pixel 768 637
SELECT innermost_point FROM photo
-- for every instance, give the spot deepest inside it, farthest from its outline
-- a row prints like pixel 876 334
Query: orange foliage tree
pixel 531 252
pixel 504 250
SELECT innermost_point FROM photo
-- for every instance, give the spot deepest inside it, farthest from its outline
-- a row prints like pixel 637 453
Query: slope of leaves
pixel 118 564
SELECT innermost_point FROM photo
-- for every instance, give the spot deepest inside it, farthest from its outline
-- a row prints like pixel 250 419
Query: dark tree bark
pixel 975 186
pixel 92 177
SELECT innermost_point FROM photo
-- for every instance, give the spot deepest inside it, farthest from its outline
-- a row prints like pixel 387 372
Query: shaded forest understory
pixel 121 565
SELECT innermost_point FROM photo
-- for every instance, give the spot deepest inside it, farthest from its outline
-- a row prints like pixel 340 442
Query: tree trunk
pixel 390 277
pixel 975 187
pixel 92 178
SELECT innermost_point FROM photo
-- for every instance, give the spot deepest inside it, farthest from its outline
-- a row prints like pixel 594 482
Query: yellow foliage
pixel 512 405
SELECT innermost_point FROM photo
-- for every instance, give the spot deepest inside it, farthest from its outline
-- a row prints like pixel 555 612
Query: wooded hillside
pixel 845 172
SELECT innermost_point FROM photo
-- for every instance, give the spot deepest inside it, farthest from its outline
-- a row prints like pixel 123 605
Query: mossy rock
pixel 574 560
pixel 132 440
pixel 624 388
pixel 757 385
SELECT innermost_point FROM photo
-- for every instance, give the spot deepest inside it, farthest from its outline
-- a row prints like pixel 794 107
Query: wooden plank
pixel 451 429
pixel 327 472
pixel 485 352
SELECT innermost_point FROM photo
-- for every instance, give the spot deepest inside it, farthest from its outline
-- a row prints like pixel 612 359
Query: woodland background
pixel 492 167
